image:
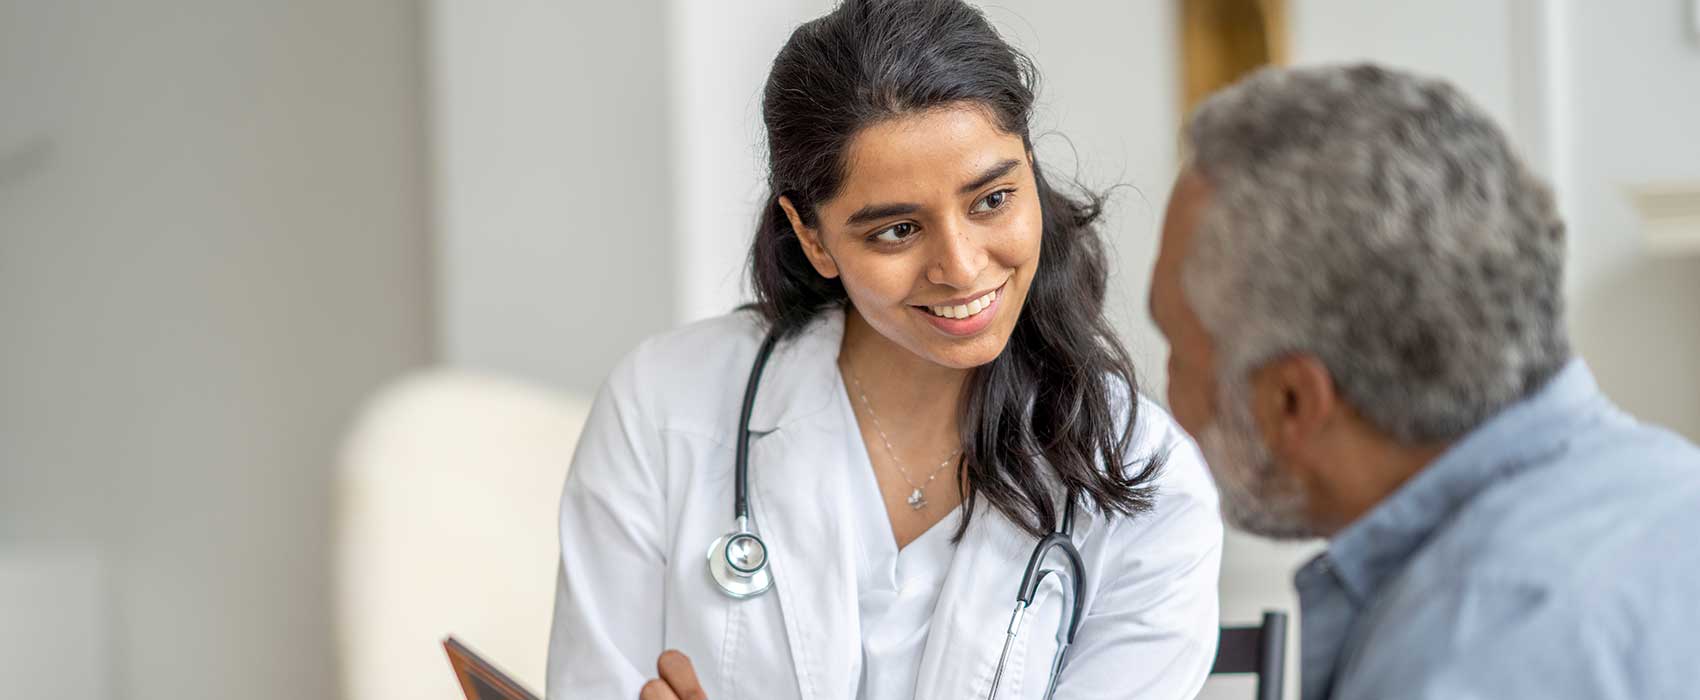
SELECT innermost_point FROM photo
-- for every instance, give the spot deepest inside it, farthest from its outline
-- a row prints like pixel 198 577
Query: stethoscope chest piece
pixel 737 562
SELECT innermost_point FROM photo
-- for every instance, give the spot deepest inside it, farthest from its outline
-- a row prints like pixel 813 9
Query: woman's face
pixel 934 233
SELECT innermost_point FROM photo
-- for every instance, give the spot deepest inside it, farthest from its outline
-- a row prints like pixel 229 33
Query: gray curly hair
pixel 1380 222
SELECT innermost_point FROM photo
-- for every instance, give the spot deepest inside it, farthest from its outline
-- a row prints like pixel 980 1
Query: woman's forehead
pixel 913 155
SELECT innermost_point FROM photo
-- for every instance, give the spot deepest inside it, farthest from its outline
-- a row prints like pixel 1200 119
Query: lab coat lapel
pixel 799 490
pixel 973 612
pixel 798 497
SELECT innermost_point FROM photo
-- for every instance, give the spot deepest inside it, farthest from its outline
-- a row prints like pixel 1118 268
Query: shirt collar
pixel 1364 554
pixel 801 376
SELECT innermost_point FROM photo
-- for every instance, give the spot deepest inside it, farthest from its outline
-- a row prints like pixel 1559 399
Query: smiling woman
pixel 924 233
pixel 909 183
pixel 937 385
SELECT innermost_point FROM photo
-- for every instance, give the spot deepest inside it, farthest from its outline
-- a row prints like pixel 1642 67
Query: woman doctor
pixel 944 392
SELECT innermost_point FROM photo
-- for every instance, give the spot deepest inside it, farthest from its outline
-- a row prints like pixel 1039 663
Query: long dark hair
pixel 1063 392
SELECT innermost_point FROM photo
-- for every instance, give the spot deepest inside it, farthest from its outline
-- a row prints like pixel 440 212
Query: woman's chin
pixel 965 353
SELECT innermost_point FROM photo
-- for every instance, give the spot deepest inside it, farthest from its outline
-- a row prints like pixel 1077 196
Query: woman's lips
pixel 965 319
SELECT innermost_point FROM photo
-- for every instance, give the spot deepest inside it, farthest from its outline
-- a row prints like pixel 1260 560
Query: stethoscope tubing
pixel 741 468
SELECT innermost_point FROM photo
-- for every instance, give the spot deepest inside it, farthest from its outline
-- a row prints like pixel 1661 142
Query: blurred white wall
pixel 717 63
pixel 212 248
pixel 1629 115
pixel 1469 42
pixel 552 185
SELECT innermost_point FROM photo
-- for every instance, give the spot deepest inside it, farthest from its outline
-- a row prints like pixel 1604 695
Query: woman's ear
pixel 810 238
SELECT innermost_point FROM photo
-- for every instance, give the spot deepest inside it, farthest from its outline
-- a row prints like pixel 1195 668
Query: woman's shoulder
pixel 1157 434
pixel 731 336
pixel 692 379
pixel 690 368
pixel 1185 498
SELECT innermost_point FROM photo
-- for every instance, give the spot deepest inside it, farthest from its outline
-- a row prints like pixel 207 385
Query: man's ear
pixel 1294 403
pixel 810 238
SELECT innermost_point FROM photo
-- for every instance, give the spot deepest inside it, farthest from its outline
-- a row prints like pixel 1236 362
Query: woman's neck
pixel 915 392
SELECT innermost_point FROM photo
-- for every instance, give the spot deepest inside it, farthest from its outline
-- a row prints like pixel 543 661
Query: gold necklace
pixel 917 497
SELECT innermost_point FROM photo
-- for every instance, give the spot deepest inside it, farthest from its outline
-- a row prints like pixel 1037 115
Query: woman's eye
pixel 895 233
pixel 992 201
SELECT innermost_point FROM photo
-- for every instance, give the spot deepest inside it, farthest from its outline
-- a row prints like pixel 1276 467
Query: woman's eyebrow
pixel 992 173
pixel 874 212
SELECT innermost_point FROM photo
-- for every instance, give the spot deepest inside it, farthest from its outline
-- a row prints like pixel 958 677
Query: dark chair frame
pixel 1260 650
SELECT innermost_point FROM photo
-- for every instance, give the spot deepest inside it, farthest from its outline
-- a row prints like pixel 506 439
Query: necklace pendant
pixel 917 500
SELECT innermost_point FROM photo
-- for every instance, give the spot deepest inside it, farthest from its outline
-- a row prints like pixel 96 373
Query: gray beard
pixel 1257 497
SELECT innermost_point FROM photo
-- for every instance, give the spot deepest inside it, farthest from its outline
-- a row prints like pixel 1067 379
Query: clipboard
pixel 479 679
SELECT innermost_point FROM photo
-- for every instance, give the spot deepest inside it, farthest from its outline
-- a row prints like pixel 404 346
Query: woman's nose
pixel 958 257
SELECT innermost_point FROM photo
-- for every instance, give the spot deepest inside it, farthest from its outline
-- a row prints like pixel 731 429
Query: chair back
pixel 1260 650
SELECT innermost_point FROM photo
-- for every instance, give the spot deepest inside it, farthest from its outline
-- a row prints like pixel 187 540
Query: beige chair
pixel 447 498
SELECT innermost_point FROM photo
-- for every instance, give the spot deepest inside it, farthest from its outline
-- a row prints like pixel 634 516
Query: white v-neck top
pixel 896 589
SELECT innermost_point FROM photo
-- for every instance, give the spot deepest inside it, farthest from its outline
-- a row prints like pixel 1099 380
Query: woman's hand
pixel 678 679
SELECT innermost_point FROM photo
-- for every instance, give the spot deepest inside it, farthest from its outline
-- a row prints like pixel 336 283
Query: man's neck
pixel 1352 487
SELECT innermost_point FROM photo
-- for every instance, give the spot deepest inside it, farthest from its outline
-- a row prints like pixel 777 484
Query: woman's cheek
pixel 878 285
pixel 1029 233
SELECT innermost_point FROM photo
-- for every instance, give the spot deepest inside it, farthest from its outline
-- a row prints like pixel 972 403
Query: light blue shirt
pixel 1553 552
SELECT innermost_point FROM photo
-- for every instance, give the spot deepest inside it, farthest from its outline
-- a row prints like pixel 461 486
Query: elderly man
pixel 1361 286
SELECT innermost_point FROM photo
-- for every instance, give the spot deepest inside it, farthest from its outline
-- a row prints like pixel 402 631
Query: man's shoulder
pixel 1608 495
pixel 1605 518
pixel 1607 504
pixel 1583 568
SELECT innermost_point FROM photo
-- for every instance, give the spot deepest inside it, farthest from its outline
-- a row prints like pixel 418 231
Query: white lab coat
pixel 650 488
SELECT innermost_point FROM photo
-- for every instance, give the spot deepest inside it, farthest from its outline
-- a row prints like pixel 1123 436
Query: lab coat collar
pixel 802 377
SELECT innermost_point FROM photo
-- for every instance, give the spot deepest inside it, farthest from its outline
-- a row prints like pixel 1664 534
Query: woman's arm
pixel 607 628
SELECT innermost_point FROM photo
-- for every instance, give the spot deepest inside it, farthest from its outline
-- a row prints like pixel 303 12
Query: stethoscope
pixel 737 561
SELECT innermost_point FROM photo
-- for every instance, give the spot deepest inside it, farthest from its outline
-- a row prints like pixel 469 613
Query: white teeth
pixel 961 311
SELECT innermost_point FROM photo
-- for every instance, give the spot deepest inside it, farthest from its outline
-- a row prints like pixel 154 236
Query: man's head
pixel 1355 271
